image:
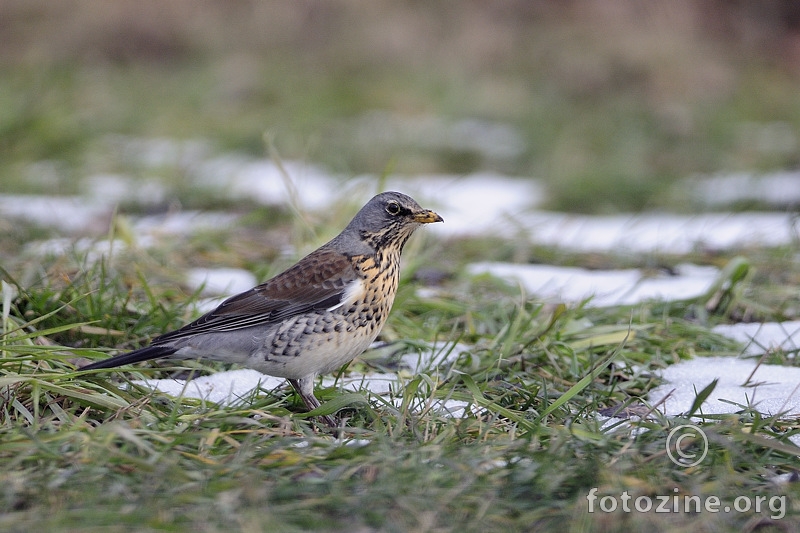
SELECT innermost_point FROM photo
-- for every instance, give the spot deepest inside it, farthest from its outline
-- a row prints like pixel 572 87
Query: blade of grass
pixel 701 397
pixel 582 384
pixel 480 399
pixel 340 402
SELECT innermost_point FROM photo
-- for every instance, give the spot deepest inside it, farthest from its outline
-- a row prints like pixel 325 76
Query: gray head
pixel 388 220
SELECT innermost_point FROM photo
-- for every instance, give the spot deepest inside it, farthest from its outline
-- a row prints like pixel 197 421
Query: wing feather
pixel 318 281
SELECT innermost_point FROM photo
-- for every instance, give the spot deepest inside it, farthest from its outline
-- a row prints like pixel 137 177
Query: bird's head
pixel 389 219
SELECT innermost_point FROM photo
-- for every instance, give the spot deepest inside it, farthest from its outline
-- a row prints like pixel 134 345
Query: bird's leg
pixel 305 388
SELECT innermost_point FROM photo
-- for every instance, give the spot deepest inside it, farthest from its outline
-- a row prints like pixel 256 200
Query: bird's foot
pixel 305 390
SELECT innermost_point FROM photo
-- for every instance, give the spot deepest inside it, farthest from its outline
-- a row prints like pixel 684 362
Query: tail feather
pixel 136 356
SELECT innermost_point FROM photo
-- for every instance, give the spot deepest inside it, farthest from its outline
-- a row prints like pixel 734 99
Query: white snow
pixel 182 223
pixel 604 287
pixel 225 388
pixel 657 232
pixel 71 214
pixel 264 181
pixel 761 337
pixel 742 383
pixel 777 188
pixel 771 390
pixel 220 281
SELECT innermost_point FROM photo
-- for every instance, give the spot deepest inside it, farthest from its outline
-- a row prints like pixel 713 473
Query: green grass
pixel 91 451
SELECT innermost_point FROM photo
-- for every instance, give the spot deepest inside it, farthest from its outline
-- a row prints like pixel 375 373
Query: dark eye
pixel 393 208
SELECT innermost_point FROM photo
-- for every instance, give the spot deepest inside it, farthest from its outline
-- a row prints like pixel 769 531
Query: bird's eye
pixel 393 208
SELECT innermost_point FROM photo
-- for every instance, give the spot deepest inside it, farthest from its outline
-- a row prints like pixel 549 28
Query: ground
pixel 143 143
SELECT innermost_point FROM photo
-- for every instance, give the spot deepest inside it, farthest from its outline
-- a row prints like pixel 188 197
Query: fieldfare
pixel 314 317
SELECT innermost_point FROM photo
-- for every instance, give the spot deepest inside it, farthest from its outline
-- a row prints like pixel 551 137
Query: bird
pixel 312 318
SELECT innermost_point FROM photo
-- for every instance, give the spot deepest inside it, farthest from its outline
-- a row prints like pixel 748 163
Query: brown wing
pixel 318 281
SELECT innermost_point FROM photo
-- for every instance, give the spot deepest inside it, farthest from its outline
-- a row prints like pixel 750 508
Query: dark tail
pixel 136 356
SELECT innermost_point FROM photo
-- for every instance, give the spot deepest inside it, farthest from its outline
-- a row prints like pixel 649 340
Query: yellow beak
pixel 426 217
